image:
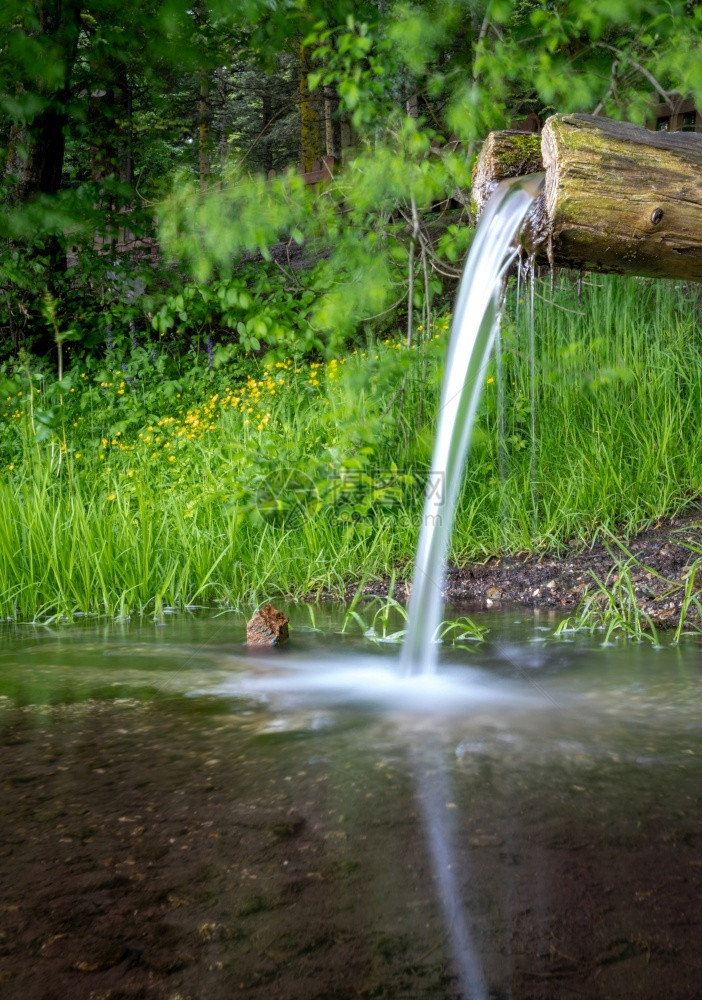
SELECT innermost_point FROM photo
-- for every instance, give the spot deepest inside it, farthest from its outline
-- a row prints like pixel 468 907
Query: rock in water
pixel 268 627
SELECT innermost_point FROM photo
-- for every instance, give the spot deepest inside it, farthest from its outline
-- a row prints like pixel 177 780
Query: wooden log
pixel 504 154
pixel 618 197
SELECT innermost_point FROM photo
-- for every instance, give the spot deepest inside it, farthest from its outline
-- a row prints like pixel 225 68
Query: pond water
pixel 182 818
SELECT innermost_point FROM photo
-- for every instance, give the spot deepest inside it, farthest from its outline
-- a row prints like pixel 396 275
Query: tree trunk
pixel 34 162
pixel 412 106
pixel 345 134
pixel 332 126
pixel 310 133
pixel 617 197
pixel 266 122
pixel 102 115
pixel 204 134
pixel 127 137
pixel 35 158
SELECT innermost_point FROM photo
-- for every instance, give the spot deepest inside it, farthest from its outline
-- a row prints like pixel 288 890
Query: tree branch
pixel 665 94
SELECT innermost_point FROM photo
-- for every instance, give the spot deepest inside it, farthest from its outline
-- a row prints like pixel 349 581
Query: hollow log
pixel 617 197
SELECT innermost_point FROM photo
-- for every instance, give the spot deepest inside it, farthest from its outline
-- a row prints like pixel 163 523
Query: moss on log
pixel 504 154
pixel 617 197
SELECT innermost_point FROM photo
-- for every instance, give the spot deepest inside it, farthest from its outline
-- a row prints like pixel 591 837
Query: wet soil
pixel 173 852
pixel 662 556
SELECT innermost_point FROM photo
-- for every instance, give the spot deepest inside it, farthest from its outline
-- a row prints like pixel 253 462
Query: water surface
pixel 181 817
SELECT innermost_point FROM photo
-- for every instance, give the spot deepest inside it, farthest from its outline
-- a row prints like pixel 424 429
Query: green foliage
pixel 188 469
pixel 148 357
pixel 254 310
pixel 207 229
pixel 378 627
pixel 359 227
pixel 375 217
pixel 158 101
pixel 149 474
pixel 387 613
pixel 356 62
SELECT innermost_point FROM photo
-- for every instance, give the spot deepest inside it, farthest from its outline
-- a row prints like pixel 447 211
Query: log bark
pixel 620 198
pixel 617 197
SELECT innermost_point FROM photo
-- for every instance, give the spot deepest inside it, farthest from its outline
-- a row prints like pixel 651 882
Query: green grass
pixel 618 407
pixel 135 495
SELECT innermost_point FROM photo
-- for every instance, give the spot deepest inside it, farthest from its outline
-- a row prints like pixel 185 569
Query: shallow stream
pixel 182 818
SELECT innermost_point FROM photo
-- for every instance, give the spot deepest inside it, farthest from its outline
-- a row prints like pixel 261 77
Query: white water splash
pixel 370 682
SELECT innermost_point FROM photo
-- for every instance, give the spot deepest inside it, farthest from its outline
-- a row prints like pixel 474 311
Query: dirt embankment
pixel 658 562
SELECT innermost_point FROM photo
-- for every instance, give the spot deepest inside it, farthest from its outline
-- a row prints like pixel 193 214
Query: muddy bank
pixel 662 557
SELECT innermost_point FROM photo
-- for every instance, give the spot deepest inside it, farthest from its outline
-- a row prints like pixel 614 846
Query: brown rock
pixel 268 627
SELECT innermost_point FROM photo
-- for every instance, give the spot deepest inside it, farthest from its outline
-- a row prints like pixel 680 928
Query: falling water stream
pixel 473 331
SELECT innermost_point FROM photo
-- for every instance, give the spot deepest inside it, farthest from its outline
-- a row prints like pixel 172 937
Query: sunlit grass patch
pixel 131 485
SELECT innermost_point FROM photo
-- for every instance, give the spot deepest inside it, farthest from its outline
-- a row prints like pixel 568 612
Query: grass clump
pixel 612 607
pixel 617 607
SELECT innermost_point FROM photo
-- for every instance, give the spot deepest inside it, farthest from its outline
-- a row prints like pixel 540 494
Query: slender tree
pixel 310 119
